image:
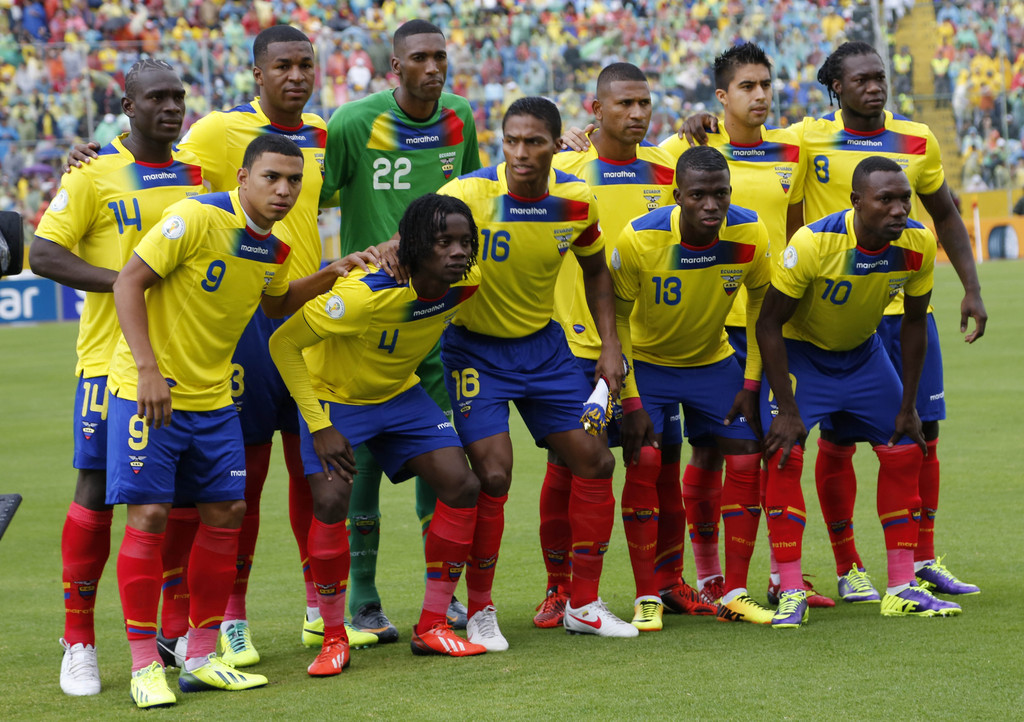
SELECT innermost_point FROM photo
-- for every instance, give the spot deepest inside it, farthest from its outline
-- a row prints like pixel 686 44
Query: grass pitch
pixel 847 663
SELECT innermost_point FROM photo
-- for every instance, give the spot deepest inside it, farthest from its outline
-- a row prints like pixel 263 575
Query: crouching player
pixel 385 329
pixel 823 359
pixel 174 436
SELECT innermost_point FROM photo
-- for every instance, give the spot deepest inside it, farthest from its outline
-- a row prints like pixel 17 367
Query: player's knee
pixel 91 489
pixel 930 429
pixel 330 502
pixel 706 457
pixel 463 492
pixel 495 480
pixel 598 466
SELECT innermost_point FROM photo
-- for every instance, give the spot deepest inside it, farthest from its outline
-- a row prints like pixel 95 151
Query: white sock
pixel 646 598
pixel 775 578
pixel 729 596
pixel 227 623
pixel 312 614
pixel 897 589
pixel 918 566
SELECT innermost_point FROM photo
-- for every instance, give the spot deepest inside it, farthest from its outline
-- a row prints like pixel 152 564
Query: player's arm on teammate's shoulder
pixel 388 252
pixel 913 345
pixel 576 138
pixel 309 287
pixel 597 283
pixel 952 233
pixel 54 261
pixel 81 154
pixel 694 129
pixel 286 345
pixel 787 428
pixel 153 394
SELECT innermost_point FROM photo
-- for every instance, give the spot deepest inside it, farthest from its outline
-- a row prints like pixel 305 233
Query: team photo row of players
pixel 740 272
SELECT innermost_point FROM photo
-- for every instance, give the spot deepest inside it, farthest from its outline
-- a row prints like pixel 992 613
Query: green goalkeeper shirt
pixel 380 160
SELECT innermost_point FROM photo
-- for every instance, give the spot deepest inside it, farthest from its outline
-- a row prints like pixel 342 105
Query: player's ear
pixel 677 196
pixel 855 200
pixel 721 95
pixel 128 106
pixel 257 75
pixel 243 176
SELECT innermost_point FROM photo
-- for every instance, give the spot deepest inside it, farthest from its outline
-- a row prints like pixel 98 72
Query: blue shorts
pixel 537 372
pixel 394 431
pixel 705 392
pixel 198 458
pixel 857 391
pixel 91 423
pixel 673 433
pixel 931 394
pixel 263 402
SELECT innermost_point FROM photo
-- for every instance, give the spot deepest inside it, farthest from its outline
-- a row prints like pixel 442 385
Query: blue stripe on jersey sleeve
pixel 489 173
pixel 911 223
pixel 108 149
pixel 834 223
pixel 380 281
pixel 244 108
pixel 829 116
pixel 657 220
pixel 220 200
pixel 562 177
pixel 737 216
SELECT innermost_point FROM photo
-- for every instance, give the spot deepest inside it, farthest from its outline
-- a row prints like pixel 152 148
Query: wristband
pixel 631 405
pixel 751 385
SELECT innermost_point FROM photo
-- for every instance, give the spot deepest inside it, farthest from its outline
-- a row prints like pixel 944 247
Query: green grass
pixel 846 663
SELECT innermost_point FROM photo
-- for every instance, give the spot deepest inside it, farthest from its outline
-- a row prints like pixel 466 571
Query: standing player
pixel 675 270
pixel 767 176
pixel 386 329
pixel 629 178
pixel 833 145
pixel 183 300
pixel 103 210
pixel 504 346
pixel 383 152
pixel 823 359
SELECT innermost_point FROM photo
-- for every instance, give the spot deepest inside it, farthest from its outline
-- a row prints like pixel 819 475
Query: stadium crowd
pixel 62 64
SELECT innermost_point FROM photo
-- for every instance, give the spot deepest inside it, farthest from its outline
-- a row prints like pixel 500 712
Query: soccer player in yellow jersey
pixel 675 271
pixel 823 359
pixel 183 300
pixel 504 346
pixel 629 177
pixel 832 146
pixel 89 230
pixel 767 176
pixel 386 329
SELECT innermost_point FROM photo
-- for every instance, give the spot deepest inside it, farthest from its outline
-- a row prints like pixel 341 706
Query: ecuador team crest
pixel 447 161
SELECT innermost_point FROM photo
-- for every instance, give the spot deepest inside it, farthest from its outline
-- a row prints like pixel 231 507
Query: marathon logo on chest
pixel 307 136
pixel 894 259
pixel 764 152
pixel 424 308
pixel 390 133
pixel 175 175
pixel 551 209
pixel 721 253
pixel 637 172
pixel 266 250
pixel 885 142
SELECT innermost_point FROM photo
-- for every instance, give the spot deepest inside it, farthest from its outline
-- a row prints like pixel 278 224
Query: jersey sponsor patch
pixel 789 257
pixel 335 307
pixel 616 259
pixel 174 228
pixel 60 201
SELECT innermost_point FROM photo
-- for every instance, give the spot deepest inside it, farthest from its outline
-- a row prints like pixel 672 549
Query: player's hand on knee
pixel 154 399
pixel 745 405
pixel 81 154
pixel 335 454
pixel 785 432
pixel 576 139
pixel 908 424
pixel 695 128
pixel 636 432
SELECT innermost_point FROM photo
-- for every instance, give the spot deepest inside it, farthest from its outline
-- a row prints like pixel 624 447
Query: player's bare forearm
pixel 794 219
pixel 913 346
pixel 597 282
pixel 59 264
pixel 286 345
pixel 302 290
pixel 334 452
pixel 952 233
pixel 154 398
pixel 775 311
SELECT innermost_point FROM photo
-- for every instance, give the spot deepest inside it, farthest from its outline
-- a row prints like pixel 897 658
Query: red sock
pixel 592 514
pixel 330 562
pixel 182 525
pixel 899 507
pixel 741 514
pixel 300 507
pixel 787 515
pixel 640 518
pixel 668 560
pixel 702 494
pixel 837 493
pixel 928 486
pixel 257 464
pixel 483 552
pixel 84 549
pixel 555 532
pixel 446 550
pixel 138 580
pixel 210 578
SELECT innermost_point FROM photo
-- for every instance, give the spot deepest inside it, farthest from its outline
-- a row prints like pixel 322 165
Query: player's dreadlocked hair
pixel 832 69
pixel 425 218
pixel 701 158
pixel 275 34
pixel 870 165
pixel 540 108
pixel 414 27
pixel 131 80
pixel 727 63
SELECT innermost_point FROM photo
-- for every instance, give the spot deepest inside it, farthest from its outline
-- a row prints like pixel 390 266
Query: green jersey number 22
pixel 388 177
